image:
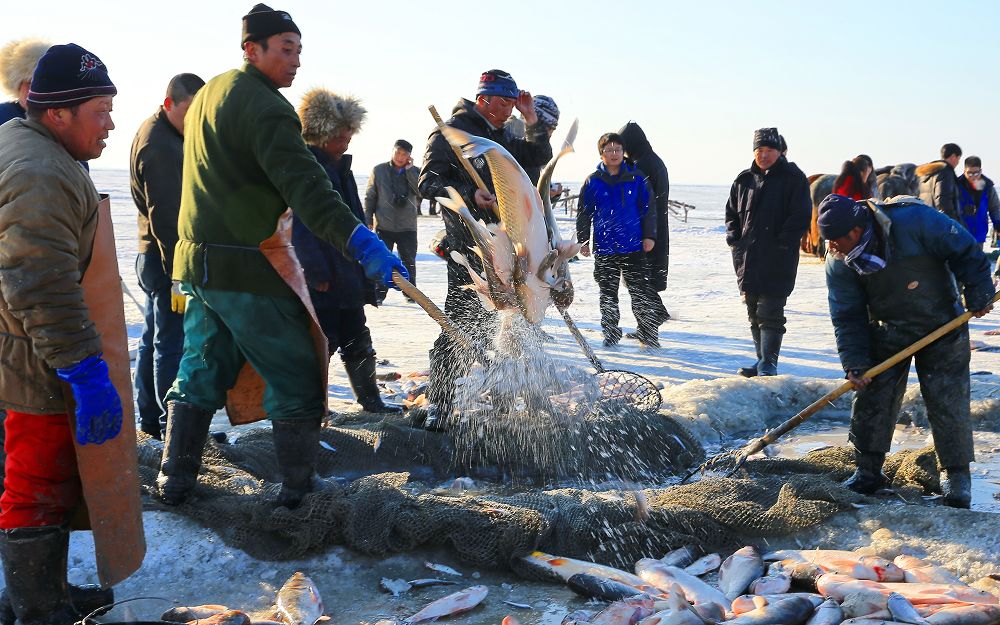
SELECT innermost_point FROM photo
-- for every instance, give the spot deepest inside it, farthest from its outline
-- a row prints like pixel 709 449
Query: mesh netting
pixel 603 517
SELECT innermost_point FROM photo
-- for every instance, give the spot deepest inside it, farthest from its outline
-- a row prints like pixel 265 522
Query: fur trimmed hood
pixel 930 169
pixel 17 62
pixel 325 113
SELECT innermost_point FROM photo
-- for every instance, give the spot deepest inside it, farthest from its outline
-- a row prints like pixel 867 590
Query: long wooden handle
pixel 458 151
pixel 762 442
pixel 575 331
pixel 411 291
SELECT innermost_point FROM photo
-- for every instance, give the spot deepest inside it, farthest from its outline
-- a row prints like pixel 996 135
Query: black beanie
pixel 766 138
pixel 67 75
pixel 839 214
pixel 262 22
pixel 404 144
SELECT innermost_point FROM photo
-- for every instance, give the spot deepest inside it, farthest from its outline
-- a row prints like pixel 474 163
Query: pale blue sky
pixel 891 79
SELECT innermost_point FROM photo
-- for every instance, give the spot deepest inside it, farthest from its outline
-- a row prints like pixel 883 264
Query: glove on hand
pixel 98 407
pixel 178 301
pixel 375 258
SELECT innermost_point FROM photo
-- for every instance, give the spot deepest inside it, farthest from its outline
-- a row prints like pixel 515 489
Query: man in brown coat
pixel 48 342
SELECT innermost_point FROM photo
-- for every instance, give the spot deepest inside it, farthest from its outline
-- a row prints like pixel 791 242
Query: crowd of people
pixel 213 172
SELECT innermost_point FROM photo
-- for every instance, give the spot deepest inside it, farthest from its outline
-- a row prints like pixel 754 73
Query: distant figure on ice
pixel 392 204
pixel 640 152
pixel 977 200
pixel 855 178
pixel 17 63
pixel 496 96
pixel 156 162
pixel 893 180
pixel 548 117
pixel 618 201
pixel 49 342
pixel 769 209
pixel 938 183
pixel 892 280
pixel 337 284
pixel 245 163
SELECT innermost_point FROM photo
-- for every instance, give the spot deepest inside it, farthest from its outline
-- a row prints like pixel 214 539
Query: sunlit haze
pixel 893 80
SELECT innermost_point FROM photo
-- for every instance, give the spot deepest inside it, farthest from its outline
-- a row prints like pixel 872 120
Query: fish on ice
pixel 739 570
pixel 455 603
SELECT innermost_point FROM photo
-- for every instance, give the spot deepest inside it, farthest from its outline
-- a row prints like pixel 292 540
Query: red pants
pixel 42 483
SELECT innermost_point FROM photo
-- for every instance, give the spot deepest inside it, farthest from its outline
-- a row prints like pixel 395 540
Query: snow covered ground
pixel 703 344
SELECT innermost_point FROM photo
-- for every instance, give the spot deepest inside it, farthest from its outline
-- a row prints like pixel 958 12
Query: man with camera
pixel 392 204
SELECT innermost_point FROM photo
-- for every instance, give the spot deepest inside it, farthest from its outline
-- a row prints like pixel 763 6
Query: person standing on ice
pixel 938 182
pixel 496 98
pixel 245 163
pixel 48 339
pixel 768 211
pixel 155 175
pixel 898 271
pixel 338 287
pixel 17 63
pixel 392 204
pixel 978 201
pixel 618 202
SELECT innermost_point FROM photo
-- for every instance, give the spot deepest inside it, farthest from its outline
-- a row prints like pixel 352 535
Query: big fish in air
pixel 562 289
pixel 522 220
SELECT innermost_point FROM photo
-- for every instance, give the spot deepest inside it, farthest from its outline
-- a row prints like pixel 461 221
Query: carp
pixel 678 612
pixel 839 586
pixel 746 603
pixel 777 612
pixel 595 587
pixel 298 601
pixel 828 613
pixel 916 570
pixel 902 610
pixel 844 563
pixel 461 601
pixel 565 568
pixel 522 219
pixel 625 612
pixel 562 288
pixel 704 565
pixel 682 557
pixel 771 584
pixel 739 571
pixel 665 577
pixel 966 615
pixel 185 614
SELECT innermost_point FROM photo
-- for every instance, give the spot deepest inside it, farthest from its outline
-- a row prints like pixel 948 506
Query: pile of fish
pixel 787 587
pixel 408 389
pixel 524 257
pixel 297 603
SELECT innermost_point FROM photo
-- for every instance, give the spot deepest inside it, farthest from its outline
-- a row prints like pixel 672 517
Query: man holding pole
pixel 496 98
pixel 899 270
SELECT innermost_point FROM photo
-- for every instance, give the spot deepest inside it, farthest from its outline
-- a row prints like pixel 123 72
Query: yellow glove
pixel 178 301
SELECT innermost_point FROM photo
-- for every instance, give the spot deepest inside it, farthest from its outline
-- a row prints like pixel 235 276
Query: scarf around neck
pixel 863 258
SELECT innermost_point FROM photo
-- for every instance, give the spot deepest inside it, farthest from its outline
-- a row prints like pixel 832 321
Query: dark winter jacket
pixel 649 163
pixel 391 198
pixel 620 209
pixel 766 215
pixel 322 263
pixel 916 292
pixel 939 187
pixel 978 208
pixel 245 164
pixel 441 169
pixel 898 180
pixel 156 163
pixel 11 110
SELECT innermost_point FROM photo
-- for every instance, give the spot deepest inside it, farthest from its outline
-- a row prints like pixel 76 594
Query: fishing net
pixel 394 500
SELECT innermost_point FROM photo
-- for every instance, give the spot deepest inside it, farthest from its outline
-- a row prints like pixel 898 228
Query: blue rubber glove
pixel 375 258
pixel 98 407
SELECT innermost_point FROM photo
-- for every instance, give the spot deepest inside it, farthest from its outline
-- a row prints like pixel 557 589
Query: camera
pixel 399 200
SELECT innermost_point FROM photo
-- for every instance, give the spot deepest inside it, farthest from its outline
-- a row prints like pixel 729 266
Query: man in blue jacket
pixel 978 204
pixel 616 199
pixel 896 272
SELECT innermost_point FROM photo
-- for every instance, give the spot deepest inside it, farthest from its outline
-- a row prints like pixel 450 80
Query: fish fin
pixel 568 249
pixel 759 601
pixel 470 145
pixel 570 137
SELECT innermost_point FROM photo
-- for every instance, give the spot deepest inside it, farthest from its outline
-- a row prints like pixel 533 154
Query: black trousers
pixel 765 312
pixel 609 271
pixel 943 372
pixel 346 329
pixel 407 244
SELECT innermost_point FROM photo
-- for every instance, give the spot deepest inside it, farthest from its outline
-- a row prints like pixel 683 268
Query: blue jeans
pixel 160 348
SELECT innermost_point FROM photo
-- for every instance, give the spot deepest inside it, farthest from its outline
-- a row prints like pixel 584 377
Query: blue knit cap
pixel 839 214
pixel 499 83
pixel 67 75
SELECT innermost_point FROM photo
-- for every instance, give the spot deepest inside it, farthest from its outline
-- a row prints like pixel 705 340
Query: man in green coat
pixel 244 163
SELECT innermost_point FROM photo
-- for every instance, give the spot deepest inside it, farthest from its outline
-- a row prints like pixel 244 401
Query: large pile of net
pixel 593 509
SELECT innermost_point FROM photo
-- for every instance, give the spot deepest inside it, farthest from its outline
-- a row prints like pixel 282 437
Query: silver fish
pixel 454 603
pixel 394 586
pixel 442 568
pixel 565 568
pixel 916 570
pixel 664 577
pixel 185 614
pixel 771 584
pixel 739 570
pixel 746 603
pixel 903 611
pixel 704 565
pixel 966 615
pixel 828 613
pixel 522 215
pixel 427 582
pixel 298 601
pixel 681 557
pixel 779 612
pixel 562 287
pixel 519 606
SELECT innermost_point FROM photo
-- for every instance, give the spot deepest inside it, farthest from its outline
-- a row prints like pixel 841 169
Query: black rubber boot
pixel 361 373
pixel 187 431
pixel 957 487
pixel 751 371
pixel 296 446
pixel 770 347
pixel 868 476
pixel 34 567
pixel 87 599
